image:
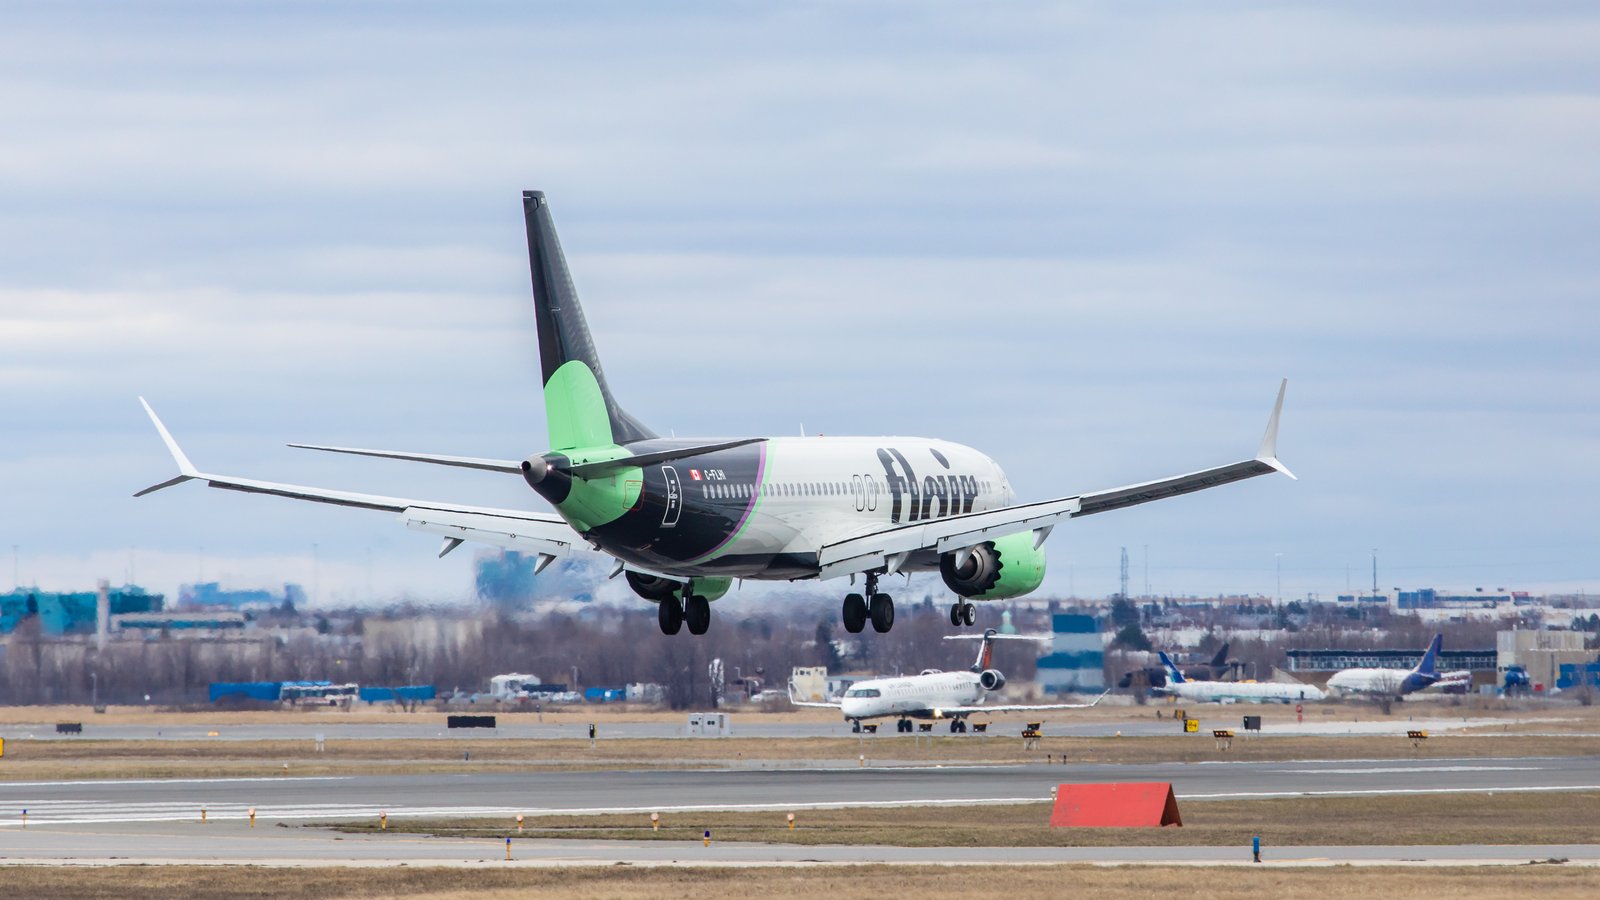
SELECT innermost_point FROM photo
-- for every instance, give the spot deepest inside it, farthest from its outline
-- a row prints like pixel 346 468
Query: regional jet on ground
pixel 1386 685
pixel 1235 691
pixel 934 694
pixel 684 517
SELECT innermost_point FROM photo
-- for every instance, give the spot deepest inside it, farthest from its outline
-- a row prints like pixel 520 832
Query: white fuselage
pixel 809 492
pixel 915 696
pixel 1244 692
pixel 1380 682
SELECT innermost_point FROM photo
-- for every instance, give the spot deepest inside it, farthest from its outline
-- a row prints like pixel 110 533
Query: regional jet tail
pixel 935 694
pixel 1390 684
pixel 1235 691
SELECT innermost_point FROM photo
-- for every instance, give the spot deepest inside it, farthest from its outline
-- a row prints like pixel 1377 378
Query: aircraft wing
pixel 889 548
pixel 544 534
pixel 1046 707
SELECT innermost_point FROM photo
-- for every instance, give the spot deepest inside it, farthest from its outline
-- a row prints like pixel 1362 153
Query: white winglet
pixel 186 468
pixel 1268 451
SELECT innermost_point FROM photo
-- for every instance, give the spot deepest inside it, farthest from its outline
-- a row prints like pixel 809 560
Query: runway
pixel 292 799
pixel 236 844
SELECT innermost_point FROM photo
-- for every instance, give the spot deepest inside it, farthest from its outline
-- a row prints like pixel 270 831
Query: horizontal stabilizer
pixel 465 462
pixel 591 470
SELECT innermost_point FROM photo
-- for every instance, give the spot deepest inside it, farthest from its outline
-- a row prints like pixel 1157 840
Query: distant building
pixel 1542 654
pixel 1076 661
pixel 70 613
pixel 1301 660
pixel 210 595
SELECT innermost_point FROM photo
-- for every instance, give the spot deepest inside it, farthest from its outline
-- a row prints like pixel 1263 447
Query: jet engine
pixel 1005 567
pixel 992 680
pixel 656 589
pixel 652 587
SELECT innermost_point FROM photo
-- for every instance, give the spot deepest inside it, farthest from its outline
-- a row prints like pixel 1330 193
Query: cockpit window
pixel 863 692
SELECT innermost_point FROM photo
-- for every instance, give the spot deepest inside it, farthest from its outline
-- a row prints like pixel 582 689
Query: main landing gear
pixel 963 613
pixel 875 606
pixel 672 613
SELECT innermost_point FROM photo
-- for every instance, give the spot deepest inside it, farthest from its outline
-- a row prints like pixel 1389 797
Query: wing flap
pixel 523 533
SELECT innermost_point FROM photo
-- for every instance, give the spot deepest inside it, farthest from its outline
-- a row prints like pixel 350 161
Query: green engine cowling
pixel 655 588
pixel 711 588
pixel 995 570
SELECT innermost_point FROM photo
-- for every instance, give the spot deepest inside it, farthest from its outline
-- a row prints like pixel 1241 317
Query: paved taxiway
pixel 292 799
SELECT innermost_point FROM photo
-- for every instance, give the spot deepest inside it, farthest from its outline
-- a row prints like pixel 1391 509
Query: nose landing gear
pixel 876 607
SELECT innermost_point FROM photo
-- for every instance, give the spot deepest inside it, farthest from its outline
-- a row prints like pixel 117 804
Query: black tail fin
pixel 1220 661
pixel 563 333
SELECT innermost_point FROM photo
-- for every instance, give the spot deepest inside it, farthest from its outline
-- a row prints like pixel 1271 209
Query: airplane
pixel 1235 691
pixel 1156 676
pixel 934 694
pixel 683 518
pixel 1390 684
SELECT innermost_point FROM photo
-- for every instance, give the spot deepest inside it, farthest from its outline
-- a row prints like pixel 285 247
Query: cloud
pixel 1085 239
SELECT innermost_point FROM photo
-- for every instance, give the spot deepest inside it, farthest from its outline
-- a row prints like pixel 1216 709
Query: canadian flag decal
pixel 694 474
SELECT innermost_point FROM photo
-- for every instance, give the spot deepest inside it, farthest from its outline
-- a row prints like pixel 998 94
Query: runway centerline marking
pixel 1393 770
pixel 1357 792
pixel 97 782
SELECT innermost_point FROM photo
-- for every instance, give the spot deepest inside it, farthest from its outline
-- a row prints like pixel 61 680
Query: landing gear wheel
pixel 855 613
pixel 955 726
pixel 697 611
pixel 855 727
pixel 882 613
pixel 903 725
pixel 969 614
pixel 955 615
pixel 669 615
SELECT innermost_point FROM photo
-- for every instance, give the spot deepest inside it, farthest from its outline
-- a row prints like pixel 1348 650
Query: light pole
pixel 1278 558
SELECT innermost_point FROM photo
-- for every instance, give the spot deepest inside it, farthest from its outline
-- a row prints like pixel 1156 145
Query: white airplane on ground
pixel 684 517
pixel 1390 684
pixel 1235 691
pixel 936 695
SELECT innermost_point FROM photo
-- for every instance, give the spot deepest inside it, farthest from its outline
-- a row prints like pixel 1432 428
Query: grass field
pixel 835 882
pixel 51 759
pixel 1543 818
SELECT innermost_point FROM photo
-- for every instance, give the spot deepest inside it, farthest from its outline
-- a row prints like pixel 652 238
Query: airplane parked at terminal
pixel 1390 684
pixel 937 695
pixel 684 517
pixel 1235 691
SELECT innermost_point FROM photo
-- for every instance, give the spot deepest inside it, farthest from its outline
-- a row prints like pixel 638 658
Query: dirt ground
pixel 1550 882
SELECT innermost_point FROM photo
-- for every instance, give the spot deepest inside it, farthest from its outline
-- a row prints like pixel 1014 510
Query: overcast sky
pixel 1085 239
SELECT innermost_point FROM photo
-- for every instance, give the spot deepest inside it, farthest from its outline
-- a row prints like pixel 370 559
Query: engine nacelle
pixel 656 589
pixel 992 680
pixel 652 587
pixel 994 570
